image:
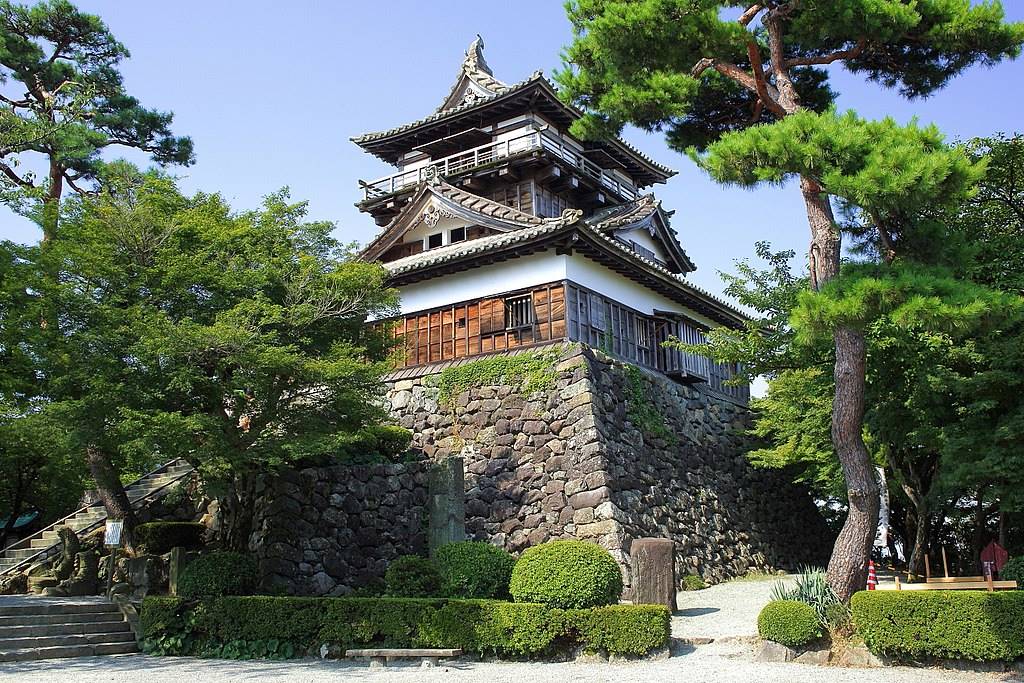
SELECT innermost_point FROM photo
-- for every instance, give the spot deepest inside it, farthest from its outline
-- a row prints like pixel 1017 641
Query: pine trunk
pixel 110 489
pixel 847 568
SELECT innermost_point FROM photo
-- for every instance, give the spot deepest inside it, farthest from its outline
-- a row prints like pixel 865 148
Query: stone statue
pixel 65 566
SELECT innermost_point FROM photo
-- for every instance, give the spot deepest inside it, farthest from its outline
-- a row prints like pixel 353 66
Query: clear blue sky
pixel 271 92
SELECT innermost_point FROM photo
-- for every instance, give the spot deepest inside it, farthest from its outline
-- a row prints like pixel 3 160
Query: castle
pixel 501 230
pixel 510 240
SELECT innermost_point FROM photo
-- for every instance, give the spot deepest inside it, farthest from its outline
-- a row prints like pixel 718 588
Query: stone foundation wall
pixel 572 462
pixel 331 530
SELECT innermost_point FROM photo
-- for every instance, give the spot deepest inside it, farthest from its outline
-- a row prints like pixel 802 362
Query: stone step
pixel 29 606
pixel 65 639
pixel 77 628
pixel 60 652
pixel 48 619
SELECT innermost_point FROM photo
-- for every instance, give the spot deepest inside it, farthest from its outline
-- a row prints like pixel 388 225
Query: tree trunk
pixel 51 203
pixel 238 513
pixel 1003 528
pixel 915 563
pixel 110 489
pixel 847 568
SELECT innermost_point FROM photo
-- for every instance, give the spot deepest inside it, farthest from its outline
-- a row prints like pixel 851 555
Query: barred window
pixel 435 240
pixel 518 312
pixel 456 235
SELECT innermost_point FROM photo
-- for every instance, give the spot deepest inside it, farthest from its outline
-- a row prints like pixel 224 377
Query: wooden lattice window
pixel 519 312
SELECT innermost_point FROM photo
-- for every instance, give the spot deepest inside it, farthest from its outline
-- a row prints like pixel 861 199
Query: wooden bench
pixel 379 657
pixel 964 585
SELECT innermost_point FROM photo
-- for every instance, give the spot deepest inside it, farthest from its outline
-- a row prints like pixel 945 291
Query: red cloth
pixel 995 554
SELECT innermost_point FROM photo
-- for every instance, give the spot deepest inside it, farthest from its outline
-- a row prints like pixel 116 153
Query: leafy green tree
pixel 66 103
pixel 694 69
pixel 234 340
pixel 993 219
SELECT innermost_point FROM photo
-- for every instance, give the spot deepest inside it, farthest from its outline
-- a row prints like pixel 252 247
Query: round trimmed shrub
pixel 1013 570
pixel 788 622
pixel 157 538
pixel 566 574
pixel 473 569
pixel 217 574
pixel 412 576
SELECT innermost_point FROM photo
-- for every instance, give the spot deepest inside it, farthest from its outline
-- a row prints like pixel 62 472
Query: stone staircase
pixel 50 628
pixel 45 543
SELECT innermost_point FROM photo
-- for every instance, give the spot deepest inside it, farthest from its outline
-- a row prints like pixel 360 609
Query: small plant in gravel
pixel 693 582
pixel 812 589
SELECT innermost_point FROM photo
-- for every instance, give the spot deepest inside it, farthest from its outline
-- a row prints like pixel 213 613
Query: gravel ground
pixel 719 663
pixel 728 610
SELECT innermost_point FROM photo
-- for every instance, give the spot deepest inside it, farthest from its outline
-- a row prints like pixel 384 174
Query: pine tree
pixel 735 90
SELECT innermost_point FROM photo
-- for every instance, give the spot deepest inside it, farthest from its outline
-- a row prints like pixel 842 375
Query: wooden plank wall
pixel 477 327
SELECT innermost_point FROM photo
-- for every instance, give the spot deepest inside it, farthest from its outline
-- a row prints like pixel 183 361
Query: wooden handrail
pixel 86 529
pixel 471 158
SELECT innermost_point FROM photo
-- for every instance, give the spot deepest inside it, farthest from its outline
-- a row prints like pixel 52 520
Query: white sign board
pixel 113 533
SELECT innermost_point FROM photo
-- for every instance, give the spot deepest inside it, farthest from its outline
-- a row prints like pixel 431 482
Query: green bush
pixel 567 574
pixel 217 574
pixel 284 626
pixel 812 588
pixel 412 576
pixel 157 538
pixel 693 582
pixel 975 625
pixel 472 569
pixel 788 622
pixel 1013 571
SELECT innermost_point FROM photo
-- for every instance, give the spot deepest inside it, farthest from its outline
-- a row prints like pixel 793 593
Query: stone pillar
pixel 654 576
pixel 176 565
pixel 447 509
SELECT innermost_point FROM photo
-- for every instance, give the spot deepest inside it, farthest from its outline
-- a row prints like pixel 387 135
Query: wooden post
pixel 988 579
pixel 927 568
pixel 945 563
pixel 898 586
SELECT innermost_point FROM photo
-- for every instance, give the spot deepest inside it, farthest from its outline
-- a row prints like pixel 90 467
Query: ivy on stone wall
pixel 639 409
pixel 531 371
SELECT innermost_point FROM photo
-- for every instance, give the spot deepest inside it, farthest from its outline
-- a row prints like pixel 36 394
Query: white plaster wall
pixel 520 273
pixel 587 273
pixel 642 237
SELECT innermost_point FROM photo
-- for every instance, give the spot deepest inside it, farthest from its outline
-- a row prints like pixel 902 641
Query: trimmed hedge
pixel 566 574
pixel 412 576
pixel 260 626
pixel 157 538
pixel 975 625
pixel 217 574
pixel 788 622
pixel 474 569
pixel 1013 571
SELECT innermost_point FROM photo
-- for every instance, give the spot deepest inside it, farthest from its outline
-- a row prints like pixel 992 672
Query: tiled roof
pixel 488 207
pixel 568 221
pixel 536 77
pixel 443 113
pixel 625 214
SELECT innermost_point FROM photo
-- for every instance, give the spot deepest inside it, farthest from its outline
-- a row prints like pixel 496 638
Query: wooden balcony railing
pixel 461 162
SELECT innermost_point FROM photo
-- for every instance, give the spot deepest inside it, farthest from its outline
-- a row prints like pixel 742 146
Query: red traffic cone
pixel 872 577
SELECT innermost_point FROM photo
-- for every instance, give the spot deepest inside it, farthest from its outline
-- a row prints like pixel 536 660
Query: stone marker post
pixel 447 507
pixel 654 575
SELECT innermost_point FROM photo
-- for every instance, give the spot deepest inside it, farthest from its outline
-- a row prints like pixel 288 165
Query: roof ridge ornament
pixel 475 62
